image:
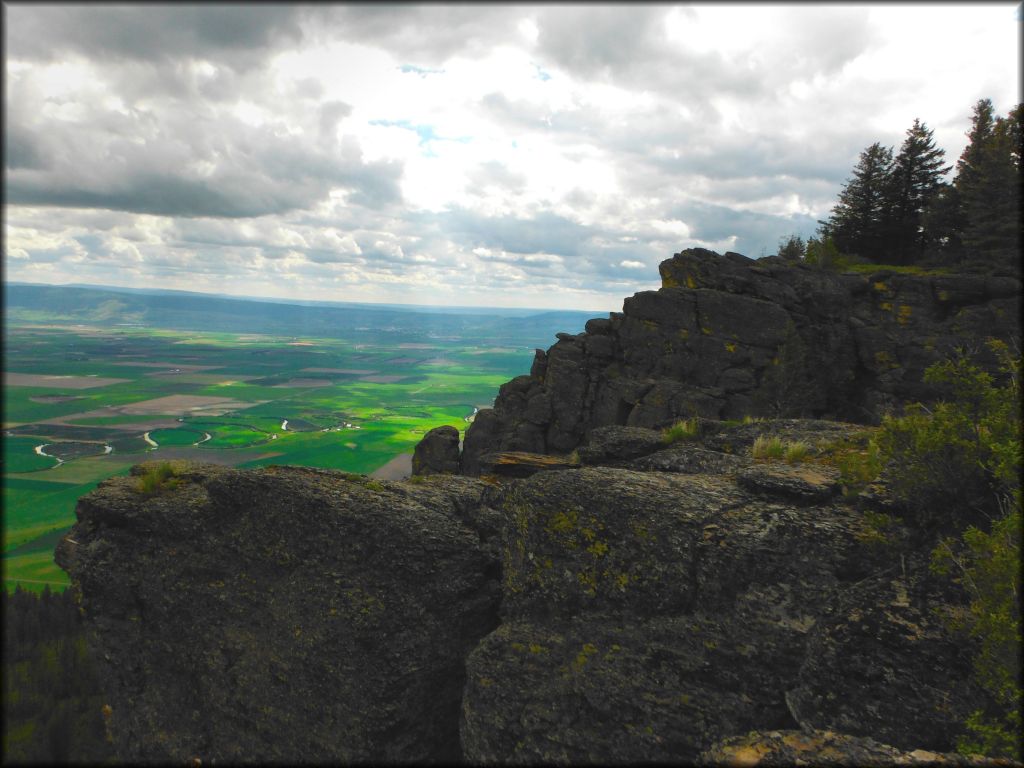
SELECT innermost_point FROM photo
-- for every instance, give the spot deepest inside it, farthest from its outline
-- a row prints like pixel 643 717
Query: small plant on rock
pixel 766 447
pixel 796 452
pixel 687 429
pixel 157 479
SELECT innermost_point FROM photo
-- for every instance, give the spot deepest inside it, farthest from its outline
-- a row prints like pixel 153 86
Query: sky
pixel 469 155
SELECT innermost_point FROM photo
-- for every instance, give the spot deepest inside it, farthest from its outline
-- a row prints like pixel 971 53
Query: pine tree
pixel 792 248
pixel 989 187
pixel 857 222
pixel 915 180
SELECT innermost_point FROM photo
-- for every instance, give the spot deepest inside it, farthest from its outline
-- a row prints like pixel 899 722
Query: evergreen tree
pixel 915 181
pixel 793 248
pixel 981 131
pixel 989 188
pixel 857 222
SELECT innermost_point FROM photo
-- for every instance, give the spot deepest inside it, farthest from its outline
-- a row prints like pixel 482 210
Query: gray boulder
pixel 437 453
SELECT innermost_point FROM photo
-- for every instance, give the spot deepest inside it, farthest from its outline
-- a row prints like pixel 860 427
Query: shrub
pixel 157 479
pixel 988 566
pixel 687 429
pixel 857 467
pixel 963 455
pixel 957 464
pixel 879 528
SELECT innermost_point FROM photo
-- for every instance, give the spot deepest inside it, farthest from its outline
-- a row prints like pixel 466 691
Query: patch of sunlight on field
pixel 34 570
pixel 34 508
pixel 85 470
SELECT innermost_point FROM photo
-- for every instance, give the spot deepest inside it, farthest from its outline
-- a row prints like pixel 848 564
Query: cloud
pixel 535 155
pixel 239 36
pixel 180 158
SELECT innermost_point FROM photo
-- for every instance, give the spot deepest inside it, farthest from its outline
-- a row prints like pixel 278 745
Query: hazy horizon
pixel 493 156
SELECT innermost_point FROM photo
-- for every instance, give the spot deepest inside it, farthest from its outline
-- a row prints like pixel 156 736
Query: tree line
pixel 898 209
pixel 52 705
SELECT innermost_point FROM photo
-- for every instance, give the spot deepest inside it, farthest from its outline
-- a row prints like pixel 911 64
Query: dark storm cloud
pixel 148 162
pixel 239 35
pixel 20 149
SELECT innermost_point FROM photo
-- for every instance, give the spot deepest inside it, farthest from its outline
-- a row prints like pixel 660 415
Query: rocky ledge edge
pixel 641 603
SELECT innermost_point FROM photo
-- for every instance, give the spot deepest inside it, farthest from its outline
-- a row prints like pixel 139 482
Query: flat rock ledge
pixel 826 748
pixel 797 482
pixel 519 464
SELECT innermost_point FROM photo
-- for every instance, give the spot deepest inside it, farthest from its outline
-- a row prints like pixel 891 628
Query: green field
pixel 246 400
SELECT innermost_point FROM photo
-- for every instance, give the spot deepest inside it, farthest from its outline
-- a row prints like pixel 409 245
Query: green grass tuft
pixel 796 452
pixel 158 479
pixel 766 447
pixel 687 429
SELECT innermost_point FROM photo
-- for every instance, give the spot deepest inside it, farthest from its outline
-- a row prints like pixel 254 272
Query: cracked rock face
pixel 643 612
pixel 283 614
pixel 647 615
pixel 708 343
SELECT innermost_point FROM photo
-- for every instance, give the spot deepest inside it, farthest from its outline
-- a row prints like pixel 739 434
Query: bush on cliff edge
pixel 959 464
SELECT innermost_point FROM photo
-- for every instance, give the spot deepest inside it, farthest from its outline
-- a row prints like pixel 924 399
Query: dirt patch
pixel 413 345
pixel 172 366
pixel 402 360
pixel 348 371
pixel 48 399
pixel 306 383
pixel 58 382
pixel 398 468
pixel 186 377
pixel 382 379
pixel 182 404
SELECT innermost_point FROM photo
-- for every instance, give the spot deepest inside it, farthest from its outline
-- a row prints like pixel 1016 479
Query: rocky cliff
pixel 657 604
pixel 727 337
pixel 640 602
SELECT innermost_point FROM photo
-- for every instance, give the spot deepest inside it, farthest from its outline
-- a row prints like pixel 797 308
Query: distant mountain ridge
pixel 427 308
pixel 185 310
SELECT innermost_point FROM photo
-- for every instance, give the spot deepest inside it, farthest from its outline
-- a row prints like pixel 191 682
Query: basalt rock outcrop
pixel 650 603
pixel 286 615
pixel 634 602
pixel 727 336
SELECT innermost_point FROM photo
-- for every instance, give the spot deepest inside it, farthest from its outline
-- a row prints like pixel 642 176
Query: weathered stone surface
pixel 437 452
pixel 648 615
pixel 706 343
pixel 647 612
pixel 826 748
pixel 282 615
pixel 690 459
pixel 615 442
pixel 868 662
pixel 800 482
pixel 651 606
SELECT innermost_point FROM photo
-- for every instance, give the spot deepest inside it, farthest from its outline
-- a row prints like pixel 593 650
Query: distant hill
pixel 183 310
